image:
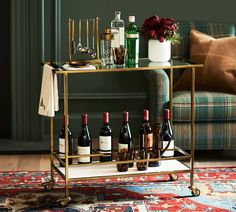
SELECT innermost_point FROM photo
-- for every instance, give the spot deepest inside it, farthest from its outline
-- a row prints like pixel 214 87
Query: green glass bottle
pixel 132 42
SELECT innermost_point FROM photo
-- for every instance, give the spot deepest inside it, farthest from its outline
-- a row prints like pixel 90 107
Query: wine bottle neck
pixel 146 115
pixel 105 118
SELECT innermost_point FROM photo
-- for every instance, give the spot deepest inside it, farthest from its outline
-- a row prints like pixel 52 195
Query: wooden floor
pixel 40 162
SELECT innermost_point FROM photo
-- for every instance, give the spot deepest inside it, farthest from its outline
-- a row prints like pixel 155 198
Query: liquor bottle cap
pixel 126 116
pixel 117 14
pixel 84 118
pixel 146 115
pixel 166 114
pixel 106 117
pixel 106 35
pixel 132 19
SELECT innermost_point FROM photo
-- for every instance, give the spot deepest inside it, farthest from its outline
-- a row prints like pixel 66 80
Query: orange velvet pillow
pixel 219 59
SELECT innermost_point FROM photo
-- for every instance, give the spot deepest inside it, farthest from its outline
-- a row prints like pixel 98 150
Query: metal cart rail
pixel 173 165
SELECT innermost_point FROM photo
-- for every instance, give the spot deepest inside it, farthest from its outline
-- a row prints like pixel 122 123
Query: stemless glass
pixel 121 156
pixel 139 155
pixel 119 54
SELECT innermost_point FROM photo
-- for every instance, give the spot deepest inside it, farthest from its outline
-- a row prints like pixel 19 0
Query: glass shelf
pixel 144 64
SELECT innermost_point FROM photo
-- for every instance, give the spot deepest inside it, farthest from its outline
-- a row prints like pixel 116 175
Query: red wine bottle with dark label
pixel 105 139
pixel 167 135
pixel 125 138
pixel 146 139
pixel 146 133
pixel 62 141
pixel 84 141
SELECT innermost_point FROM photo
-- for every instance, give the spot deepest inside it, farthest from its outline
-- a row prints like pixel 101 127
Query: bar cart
pixel 95 170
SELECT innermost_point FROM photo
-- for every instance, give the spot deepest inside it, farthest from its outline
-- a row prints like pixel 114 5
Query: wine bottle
pixel 84 141
pixel 146 139
pixel 105 139
pixel 132 42
pixel 62 141
pixel 167 135
pixel 125 139
pixel 118 30
pixel 146 133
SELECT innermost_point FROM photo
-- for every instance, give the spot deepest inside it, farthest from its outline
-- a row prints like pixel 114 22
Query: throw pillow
pixel 219 59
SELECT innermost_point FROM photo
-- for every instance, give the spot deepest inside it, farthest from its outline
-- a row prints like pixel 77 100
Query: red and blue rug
pixel 22 191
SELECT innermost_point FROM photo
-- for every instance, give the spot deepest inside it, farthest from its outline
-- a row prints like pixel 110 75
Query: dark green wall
pixel 5 80
pixel 179 10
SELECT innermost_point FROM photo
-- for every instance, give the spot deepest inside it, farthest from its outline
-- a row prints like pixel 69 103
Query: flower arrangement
pixel 160 29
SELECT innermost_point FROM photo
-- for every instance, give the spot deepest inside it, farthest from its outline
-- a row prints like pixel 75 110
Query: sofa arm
pixel 158 92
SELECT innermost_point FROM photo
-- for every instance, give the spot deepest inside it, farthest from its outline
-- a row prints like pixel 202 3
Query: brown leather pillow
pixel 219 59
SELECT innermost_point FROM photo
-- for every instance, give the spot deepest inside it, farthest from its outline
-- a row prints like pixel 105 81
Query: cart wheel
pixel 196 192
pixel 173 177
pixel 48 186
pixel 63 201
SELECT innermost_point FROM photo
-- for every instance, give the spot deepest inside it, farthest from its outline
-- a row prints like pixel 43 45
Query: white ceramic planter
pixel 159 51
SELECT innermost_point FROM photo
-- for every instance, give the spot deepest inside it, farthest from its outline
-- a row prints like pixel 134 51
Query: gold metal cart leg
pixel 194 190
pixel 48 186
pixel 173 177
pixel 171 94
pixel 66 199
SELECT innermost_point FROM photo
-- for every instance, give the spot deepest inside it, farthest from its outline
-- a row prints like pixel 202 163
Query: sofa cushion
pixel 209 106
pixel 219 59
pixel 214 135
pixel 214 29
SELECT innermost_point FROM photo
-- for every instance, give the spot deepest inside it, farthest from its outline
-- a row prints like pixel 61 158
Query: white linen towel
pixel 49 100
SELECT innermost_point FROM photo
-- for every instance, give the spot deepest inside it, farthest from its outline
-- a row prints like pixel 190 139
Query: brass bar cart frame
pixel 142 66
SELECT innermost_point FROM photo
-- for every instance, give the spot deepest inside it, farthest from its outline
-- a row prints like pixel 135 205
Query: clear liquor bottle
pixel 118 30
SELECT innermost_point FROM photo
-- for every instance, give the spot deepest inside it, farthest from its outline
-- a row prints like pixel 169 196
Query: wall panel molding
pixel 35 37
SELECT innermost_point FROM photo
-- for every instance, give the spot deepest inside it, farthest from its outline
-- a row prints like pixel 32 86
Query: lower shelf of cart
pixel 109 170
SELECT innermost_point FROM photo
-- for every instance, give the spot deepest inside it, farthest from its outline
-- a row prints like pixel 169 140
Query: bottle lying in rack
pixel 105 139
pixel 84 141
pixel 166 135
pixel 62 141
pixel 125 138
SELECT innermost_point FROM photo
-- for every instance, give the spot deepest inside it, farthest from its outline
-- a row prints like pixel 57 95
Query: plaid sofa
pixel 215 123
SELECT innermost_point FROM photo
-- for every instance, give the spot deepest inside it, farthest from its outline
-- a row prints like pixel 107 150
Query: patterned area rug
pixel 22 191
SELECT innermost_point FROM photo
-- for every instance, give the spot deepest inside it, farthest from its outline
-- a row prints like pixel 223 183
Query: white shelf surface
pixel 109 170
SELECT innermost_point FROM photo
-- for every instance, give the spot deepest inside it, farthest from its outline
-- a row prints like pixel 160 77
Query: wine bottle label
pixel 148 141
pixel 118 37
pixel 82 150
pixel 171 146
pixel 61 147
pixel 122 146
pixel 105 144
pixel 132 35
pixel 121 35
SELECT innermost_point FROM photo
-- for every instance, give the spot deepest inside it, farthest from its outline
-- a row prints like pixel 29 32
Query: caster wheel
pixel 63 201
pixel 173 177
pixel 196 192
pixel 48 186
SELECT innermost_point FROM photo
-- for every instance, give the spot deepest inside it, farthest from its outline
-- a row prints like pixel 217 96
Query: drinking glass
pixel 119 54
pixel 139 155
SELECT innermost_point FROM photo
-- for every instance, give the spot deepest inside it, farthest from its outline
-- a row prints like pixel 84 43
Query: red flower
pixel 160 28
